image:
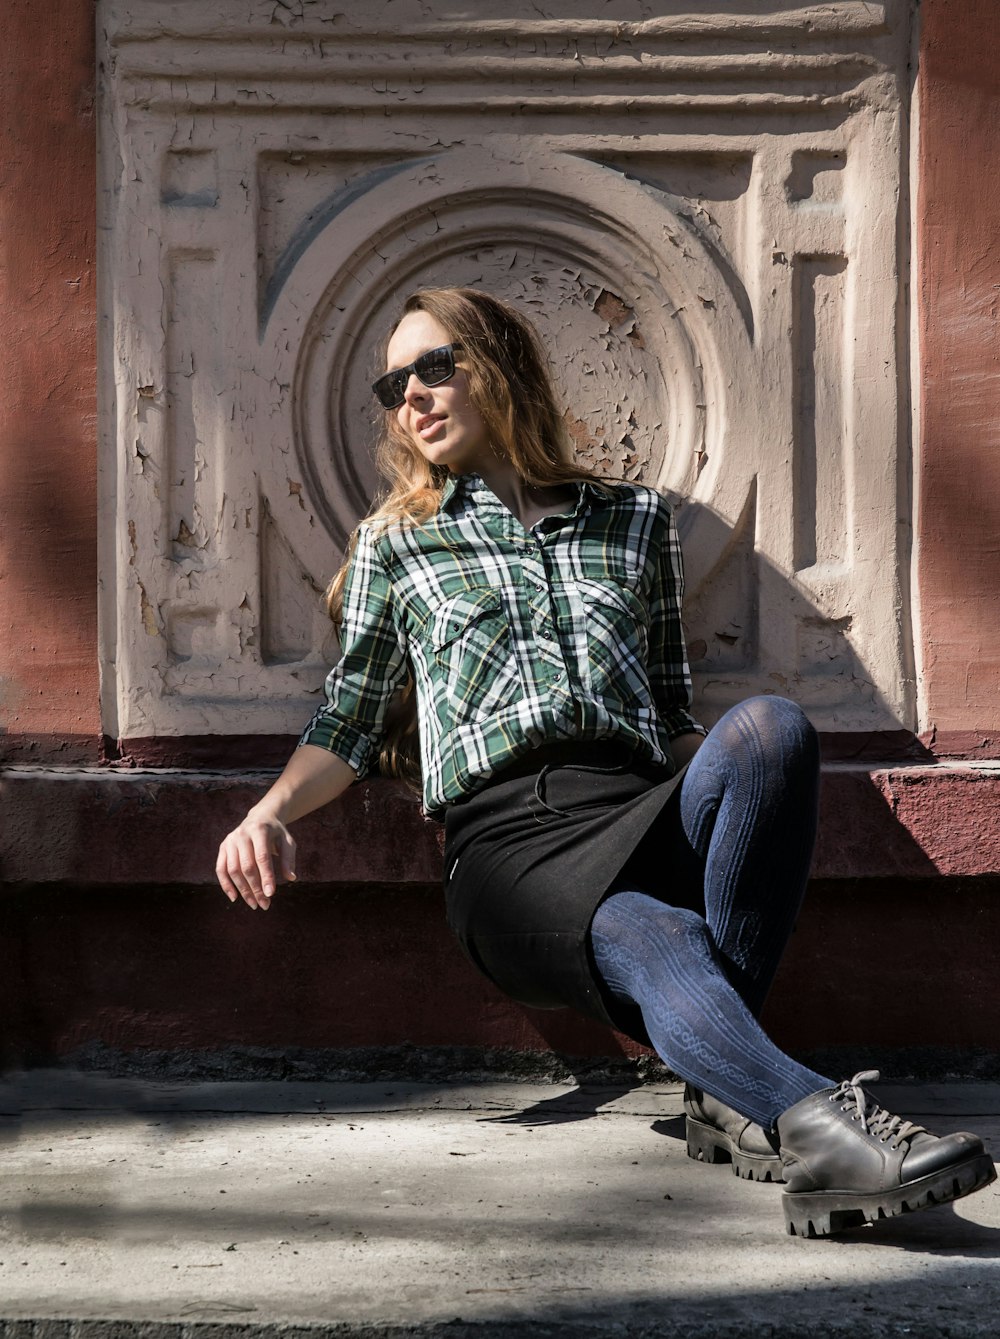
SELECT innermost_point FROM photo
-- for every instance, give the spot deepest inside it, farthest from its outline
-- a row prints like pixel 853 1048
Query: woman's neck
pixel 528 502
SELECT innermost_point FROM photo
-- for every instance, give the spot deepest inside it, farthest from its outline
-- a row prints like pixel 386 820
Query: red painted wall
pixel 958 294
pixel 48 318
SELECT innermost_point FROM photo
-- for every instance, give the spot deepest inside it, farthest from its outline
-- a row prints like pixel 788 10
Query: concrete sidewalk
pixel 408 1209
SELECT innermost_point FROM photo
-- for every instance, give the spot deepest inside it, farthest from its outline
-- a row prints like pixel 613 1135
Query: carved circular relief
pixel 623 355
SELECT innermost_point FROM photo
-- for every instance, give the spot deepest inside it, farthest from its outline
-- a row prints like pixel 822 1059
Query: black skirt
pixel 530 857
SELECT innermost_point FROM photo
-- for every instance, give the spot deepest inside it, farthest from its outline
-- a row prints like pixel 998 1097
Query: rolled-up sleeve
pixel 669 675
pixel 371 668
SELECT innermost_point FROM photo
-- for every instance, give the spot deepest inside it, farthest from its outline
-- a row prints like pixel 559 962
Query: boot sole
pixel 707 1143
pixel 821 1213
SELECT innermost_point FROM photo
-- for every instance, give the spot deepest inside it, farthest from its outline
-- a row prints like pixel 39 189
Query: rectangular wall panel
pixel 191 309
pixel 818 411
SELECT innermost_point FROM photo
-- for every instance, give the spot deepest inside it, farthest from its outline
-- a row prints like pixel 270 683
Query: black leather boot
pixel 717 1133
pixel 848 1162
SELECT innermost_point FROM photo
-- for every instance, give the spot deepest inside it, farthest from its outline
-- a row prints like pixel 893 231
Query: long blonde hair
pixel 510 386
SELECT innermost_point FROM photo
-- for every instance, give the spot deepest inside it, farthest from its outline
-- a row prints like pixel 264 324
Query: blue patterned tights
pixel 736 850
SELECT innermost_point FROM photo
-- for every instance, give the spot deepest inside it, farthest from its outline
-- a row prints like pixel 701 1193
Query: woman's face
pixel 441 421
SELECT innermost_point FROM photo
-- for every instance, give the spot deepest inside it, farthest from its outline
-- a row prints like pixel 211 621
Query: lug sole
pixel 821 1213
pixel 707 1143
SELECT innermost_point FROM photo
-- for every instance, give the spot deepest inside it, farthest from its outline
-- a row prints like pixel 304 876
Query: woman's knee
pixel 775 727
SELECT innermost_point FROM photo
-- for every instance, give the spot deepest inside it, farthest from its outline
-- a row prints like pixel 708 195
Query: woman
pixel 601 851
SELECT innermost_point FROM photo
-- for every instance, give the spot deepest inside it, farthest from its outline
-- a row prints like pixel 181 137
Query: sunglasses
pixel 431 368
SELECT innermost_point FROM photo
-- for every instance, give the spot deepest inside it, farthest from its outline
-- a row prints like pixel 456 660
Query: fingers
pixel 222 874
pixel 246 865
pixel 252 891
pixel 235 869
pixel 261 878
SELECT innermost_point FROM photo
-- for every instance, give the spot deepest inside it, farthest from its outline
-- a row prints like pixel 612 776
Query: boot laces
pixel 875 1120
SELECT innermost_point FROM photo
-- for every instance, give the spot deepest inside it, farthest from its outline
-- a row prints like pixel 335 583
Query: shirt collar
pixel 450 488
pixel 473 485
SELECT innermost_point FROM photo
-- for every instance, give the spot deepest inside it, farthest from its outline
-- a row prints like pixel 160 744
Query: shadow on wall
pixel 752 628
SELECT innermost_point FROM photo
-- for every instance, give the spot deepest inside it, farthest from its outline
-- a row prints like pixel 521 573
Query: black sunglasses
pixel 431 368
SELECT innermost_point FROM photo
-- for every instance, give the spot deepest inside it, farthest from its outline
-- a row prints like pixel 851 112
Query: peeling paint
pixel 729 637
pixel 149 621
pixel 843 624
pixel 609 307
pixel 583 440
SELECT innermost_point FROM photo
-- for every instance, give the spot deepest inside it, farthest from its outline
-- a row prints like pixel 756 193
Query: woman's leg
pixel 663 958
pixel 748 813
pixel 737 844
pixel 845 1160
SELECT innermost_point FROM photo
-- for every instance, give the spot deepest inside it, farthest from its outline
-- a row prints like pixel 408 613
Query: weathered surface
pixel 49 707
pixel 493 1210
pixel 131 828
pixel 702 211
pixel 909 822
pixel 138 827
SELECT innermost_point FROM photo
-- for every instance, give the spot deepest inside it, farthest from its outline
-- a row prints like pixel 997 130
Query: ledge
pixel 107 827
pixel 916 821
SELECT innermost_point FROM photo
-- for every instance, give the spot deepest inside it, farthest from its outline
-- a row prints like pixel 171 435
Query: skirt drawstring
pixel 617 770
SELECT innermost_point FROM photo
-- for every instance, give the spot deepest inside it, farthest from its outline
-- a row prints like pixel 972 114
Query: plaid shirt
pixel 515 638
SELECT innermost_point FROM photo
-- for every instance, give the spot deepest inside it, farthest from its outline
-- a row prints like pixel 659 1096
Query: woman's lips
pixel 428 424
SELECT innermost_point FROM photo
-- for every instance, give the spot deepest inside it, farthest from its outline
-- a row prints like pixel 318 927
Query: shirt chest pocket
pixel 472 656
pixel 609 626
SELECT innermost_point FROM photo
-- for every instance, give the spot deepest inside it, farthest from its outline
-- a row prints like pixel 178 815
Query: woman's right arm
pixel 341 742
pixel 260 853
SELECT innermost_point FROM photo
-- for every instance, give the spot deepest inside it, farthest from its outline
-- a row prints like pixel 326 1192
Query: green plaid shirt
pixel 515 638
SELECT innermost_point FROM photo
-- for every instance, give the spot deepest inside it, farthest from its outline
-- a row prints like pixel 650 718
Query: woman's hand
pixel 260 853
pixel 254 859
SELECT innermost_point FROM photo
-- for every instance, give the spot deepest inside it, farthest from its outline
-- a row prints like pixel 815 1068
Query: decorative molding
pixel 699 210
pixel 253 57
